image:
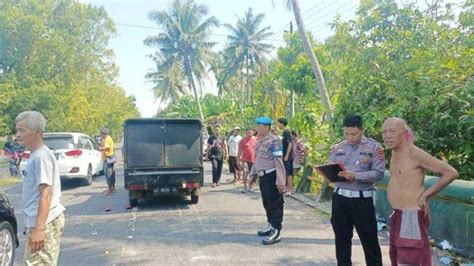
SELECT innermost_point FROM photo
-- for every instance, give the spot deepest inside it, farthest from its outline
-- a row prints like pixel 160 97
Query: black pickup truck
pixel 163 156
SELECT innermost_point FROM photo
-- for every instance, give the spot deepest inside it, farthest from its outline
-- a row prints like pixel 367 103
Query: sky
pixel 131 18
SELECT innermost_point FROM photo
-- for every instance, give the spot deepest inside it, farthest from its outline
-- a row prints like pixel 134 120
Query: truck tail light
pixel 136 187
pixel 190 185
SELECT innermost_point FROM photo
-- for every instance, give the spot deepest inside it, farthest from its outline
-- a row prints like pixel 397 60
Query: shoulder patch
pixel 277 148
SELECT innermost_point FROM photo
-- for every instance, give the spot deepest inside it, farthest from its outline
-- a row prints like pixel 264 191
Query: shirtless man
pixel 409 244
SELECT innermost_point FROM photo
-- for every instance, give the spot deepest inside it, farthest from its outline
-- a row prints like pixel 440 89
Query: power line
pixel 324 16
pixel 280 30
pixel 341 13
pixel 317 12
pixel 157 28
pixel 346 11
pixel 331 3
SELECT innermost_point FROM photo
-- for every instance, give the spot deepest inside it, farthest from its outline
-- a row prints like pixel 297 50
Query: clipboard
pixel 331 171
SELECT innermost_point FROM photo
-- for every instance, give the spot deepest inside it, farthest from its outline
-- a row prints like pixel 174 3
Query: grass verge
pixel 9 180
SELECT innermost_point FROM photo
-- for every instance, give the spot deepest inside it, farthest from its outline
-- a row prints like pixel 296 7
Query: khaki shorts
pixel 50 252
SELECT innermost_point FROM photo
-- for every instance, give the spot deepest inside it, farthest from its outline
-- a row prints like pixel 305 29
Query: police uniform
pixel 270 169
pixel 352 203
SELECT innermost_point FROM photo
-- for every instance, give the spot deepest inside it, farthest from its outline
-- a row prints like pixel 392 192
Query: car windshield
pixel 57 143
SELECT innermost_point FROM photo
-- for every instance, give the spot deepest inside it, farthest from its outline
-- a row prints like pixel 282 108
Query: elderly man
pixel 409 242
pixel 42 210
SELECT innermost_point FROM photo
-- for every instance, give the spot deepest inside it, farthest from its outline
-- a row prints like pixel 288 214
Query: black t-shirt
pixel 287 139
pixel 216 147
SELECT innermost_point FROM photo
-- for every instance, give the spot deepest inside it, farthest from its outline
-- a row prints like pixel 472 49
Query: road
pixel 220 230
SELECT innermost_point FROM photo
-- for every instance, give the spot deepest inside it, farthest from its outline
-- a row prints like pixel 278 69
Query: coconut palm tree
pixel 168 82
pixel 185 39
pixel 246 47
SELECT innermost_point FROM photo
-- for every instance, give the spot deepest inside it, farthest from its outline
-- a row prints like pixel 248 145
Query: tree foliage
pixel 54 59
pixel 391 60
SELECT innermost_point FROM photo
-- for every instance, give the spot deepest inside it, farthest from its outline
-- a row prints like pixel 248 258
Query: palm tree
pixel 168 82
pixel 246 47
pixel 294 5
pixel 185 39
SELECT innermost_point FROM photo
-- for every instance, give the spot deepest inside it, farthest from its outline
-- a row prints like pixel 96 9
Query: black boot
pixel 265 232
pixel 273 238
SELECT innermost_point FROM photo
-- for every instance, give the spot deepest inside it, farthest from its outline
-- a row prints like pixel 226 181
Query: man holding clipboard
pixel 359 163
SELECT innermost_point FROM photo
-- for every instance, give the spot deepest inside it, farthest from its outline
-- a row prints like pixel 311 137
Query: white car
pixel 77 154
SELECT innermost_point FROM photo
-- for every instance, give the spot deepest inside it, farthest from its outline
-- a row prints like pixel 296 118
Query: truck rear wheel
pixel 132 198
pixel 194 197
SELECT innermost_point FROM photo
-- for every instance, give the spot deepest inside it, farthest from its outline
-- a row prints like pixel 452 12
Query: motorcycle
pixel 14 158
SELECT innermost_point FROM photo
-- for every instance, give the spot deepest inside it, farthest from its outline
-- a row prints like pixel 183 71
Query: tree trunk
pixel 247 83
pixel 312 57
pixel 189 73
pixel 242 90
pixel 325 194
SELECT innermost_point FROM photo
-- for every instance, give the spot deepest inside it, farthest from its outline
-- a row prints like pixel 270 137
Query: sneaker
pixel 244 190
pixel 273 238
pixel 265 232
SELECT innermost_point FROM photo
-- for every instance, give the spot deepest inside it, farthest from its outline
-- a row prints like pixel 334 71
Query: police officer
pixel 352 202
pixel 271 170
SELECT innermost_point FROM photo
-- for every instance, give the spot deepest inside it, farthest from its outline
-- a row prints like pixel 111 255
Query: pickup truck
pixel 163 156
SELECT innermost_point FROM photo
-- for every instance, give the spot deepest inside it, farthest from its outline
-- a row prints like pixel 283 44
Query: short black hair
pixel 283 121
pixel 353 121
pixel 295 133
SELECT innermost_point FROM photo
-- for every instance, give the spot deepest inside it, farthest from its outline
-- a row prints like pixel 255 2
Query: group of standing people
pixel 263 155
pixel 240 153
pixel 353 200
pixel 271 159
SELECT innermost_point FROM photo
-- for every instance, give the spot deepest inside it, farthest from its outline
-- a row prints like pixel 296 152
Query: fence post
pixel 304 185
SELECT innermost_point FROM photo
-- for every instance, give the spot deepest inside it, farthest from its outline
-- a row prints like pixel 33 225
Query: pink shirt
pixel 247 146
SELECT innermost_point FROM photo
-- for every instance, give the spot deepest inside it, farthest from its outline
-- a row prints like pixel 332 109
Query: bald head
pixel 396 132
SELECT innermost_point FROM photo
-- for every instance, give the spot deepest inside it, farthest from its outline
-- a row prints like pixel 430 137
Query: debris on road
pixel 445 245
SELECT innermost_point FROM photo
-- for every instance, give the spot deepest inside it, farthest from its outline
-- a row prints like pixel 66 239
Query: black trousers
pixel 272 200
pixel 348 213
pixel 216 170
pixel 110 174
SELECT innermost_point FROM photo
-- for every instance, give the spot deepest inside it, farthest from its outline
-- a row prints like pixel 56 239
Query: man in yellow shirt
pixel 109 159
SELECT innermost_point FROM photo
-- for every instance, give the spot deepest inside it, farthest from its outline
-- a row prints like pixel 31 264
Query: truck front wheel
pixel 194 197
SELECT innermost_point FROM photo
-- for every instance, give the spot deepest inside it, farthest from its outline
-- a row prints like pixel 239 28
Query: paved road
pixel 220 230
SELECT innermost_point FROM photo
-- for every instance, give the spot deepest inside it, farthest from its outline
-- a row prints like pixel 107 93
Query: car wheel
pixel 132 197
pixel 88 180
pixel 7 243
